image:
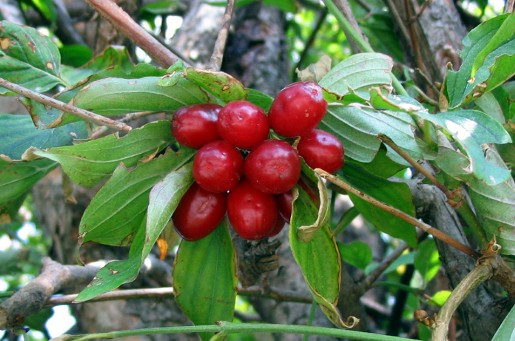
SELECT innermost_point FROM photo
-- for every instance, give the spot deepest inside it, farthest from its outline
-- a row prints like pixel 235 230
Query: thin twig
pixel 218 51
pixel 309 42
pixel 84 114
pixel 388 141
pixel 377 272
pixel 399 214
pixel 344 7
pixel 123 22
pixel 125 294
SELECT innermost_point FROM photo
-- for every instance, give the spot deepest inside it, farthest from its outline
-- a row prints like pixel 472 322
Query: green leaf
pixel 118 272
pixel 427 261
pixel 119 206
pixel 17 134
pixel 204 278
pixel 85 165
pixel 16 179
pixel 28 58
pixel 506 330
pixel 356 253
pixel 320 263
pixel 471 129
pixel 488 57
pixel 381 165
pixel 358 127
pixel 321 270
pixel 74 55
pixel 164 198
pixel 395 194
pixel 357 74
pixel 117 96
pixel 260 99
pixel 221 85
pixel 495 208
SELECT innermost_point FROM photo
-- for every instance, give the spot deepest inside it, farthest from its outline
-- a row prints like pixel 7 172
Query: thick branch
pixel 30 299
pixel 478 275
pixel 123 22
pixel 84 114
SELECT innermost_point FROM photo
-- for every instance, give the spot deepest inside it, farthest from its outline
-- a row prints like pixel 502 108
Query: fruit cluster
pixel 255 190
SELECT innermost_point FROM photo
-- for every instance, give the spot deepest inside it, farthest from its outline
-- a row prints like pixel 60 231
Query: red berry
pixel 217 166
pixel 321 149
pixel 284 204
pixel 278 227
pixel 273 167
pixel 297 109
pixel 243 124
pixel 199 213
pixel 252 213
pixel 195 125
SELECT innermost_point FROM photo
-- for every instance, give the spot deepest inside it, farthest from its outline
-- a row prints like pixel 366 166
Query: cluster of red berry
pixel 255 190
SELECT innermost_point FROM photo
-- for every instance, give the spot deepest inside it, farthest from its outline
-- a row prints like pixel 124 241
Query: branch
pixel 482 272
pixel 84 114
pixel 218 51
pixel 377 272
pixel 123 22
pixel 31 299
pixel 399 214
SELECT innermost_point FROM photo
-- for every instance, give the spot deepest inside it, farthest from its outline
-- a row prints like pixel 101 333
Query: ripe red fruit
pixel 199 213
pixel 321 149
pixel 217 166
pixel 284 204
pixel 273 167
pixel 297 109
pixel 243 124
pixel 279 224
pixel 252 213
pixel 195 125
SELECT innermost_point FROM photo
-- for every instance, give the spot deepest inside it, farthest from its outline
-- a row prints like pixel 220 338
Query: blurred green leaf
pixel 75 55
pixel 85 165
pixel 395 194
pixel 427 261
pixel 472 129
pixel 357 254
pixel 488 57
pixel 118 208
pixel 204 278
pixel 16 179
pixel 440 297
pixel 506 330
pixel 17 134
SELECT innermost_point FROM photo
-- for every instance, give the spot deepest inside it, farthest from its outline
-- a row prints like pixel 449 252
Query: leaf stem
pixel 388 141
pixel 224 328
pixel 218 51
pixel 399 214
pixel 84 114
pixel 360 42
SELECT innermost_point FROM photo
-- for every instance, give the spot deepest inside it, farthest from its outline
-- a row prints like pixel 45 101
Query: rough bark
pixel 481 312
